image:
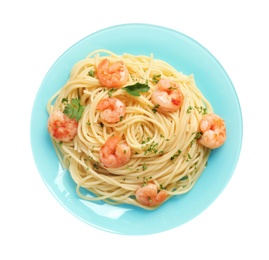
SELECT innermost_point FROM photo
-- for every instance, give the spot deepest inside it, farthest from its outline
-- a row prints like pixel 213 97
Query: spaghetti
pixel 163 145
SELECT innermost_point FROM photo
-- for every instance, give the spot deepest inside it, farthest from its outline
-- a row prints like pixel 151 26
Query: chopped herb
pixel 153 148
pixel 88 123
pixel 147 140
pixel 132 77
pixel 74 110
pixel 145 180
pixel 156 78
pixel 175 155
pixel 189 157
pixel 91 73
pixel 121 118
pixel 111 91
pixel 201 110
pixel 155 108
pixel 144 167
pixel 172 88
pixel 197 135
pixel 190 108
pixel 162 136
pixel 96 166
pixel 135 89
pixel 64 100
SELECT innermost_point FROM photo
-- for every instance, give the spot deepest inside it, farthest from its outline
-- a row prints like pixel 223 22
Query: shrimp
pixel 61 127
pixel 112 109
pixel 112 75
pixel 114 154
pixel 149 196
pixel 213 131
pixel 168 96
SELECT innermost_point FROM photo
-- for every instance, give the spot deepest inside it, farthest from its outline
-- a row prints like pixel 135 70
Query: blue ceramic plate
pixel 185 55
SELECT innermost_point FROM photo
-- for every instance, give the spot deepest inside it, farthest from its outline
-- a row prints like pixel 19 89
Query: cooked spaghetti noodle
pixel 164 147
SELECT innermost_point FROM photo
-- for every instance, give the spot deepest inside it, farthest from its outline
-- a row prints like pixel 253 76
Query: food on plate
pixel 131 129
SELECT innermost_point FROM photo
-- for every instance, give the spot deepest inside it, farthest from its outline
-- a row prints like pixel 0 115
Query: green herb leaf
pixel 111 91
pixel 156 78
pixel 135 89
pixel 155 108
pixel 74 110
pixel 91 73
pixel 64 100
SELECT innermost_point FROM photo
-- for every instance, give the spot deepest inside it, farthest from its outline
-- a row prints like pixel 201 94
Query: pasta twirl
pixel 163 145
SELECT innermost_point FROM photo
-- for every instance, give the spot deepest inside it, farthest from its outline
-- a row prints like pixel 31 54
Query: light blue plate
pixel 185 55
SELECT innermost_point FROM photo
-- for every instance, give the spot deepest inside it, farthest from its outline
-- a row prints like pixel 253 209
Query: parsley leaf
pixel 74 110
pixel 135 89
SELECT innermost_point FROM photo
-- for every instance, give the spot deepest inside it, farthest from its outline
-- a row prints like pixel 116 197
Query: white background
pixel 35 226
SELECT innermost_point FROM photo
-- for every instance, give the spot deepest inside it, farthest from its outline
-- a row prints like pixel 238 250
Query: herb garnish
pixel 144 167
pixel 153 148
pixel 155 108
pixel 156 78
pixel 201 110
pixel 74 109
pixel 189 157
pixel 175 155
pixel 91 73
pixel 111 91
pixel 135 89
pixel 197 135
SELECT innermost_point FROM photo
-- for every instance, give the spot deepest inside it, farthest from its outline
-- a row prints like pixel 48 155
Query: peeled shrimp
pixel 112 109
pixel 213 131
pixel 112 75
pixel 61 127
pixel 114 154
pixel 149 196
pixel 168 96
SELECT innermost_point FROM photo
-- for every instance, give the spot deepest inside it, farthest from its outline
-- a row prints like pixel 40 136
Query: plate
pixel 186 55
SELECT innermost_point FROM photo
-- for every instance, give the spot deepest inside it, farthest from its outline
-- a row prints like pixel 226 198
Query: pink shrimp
pixel 213 131
pixel 114 154
pixel 112 75
pixel 149 196
pixel 168 96
pixel 112 109
pixel 61 127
